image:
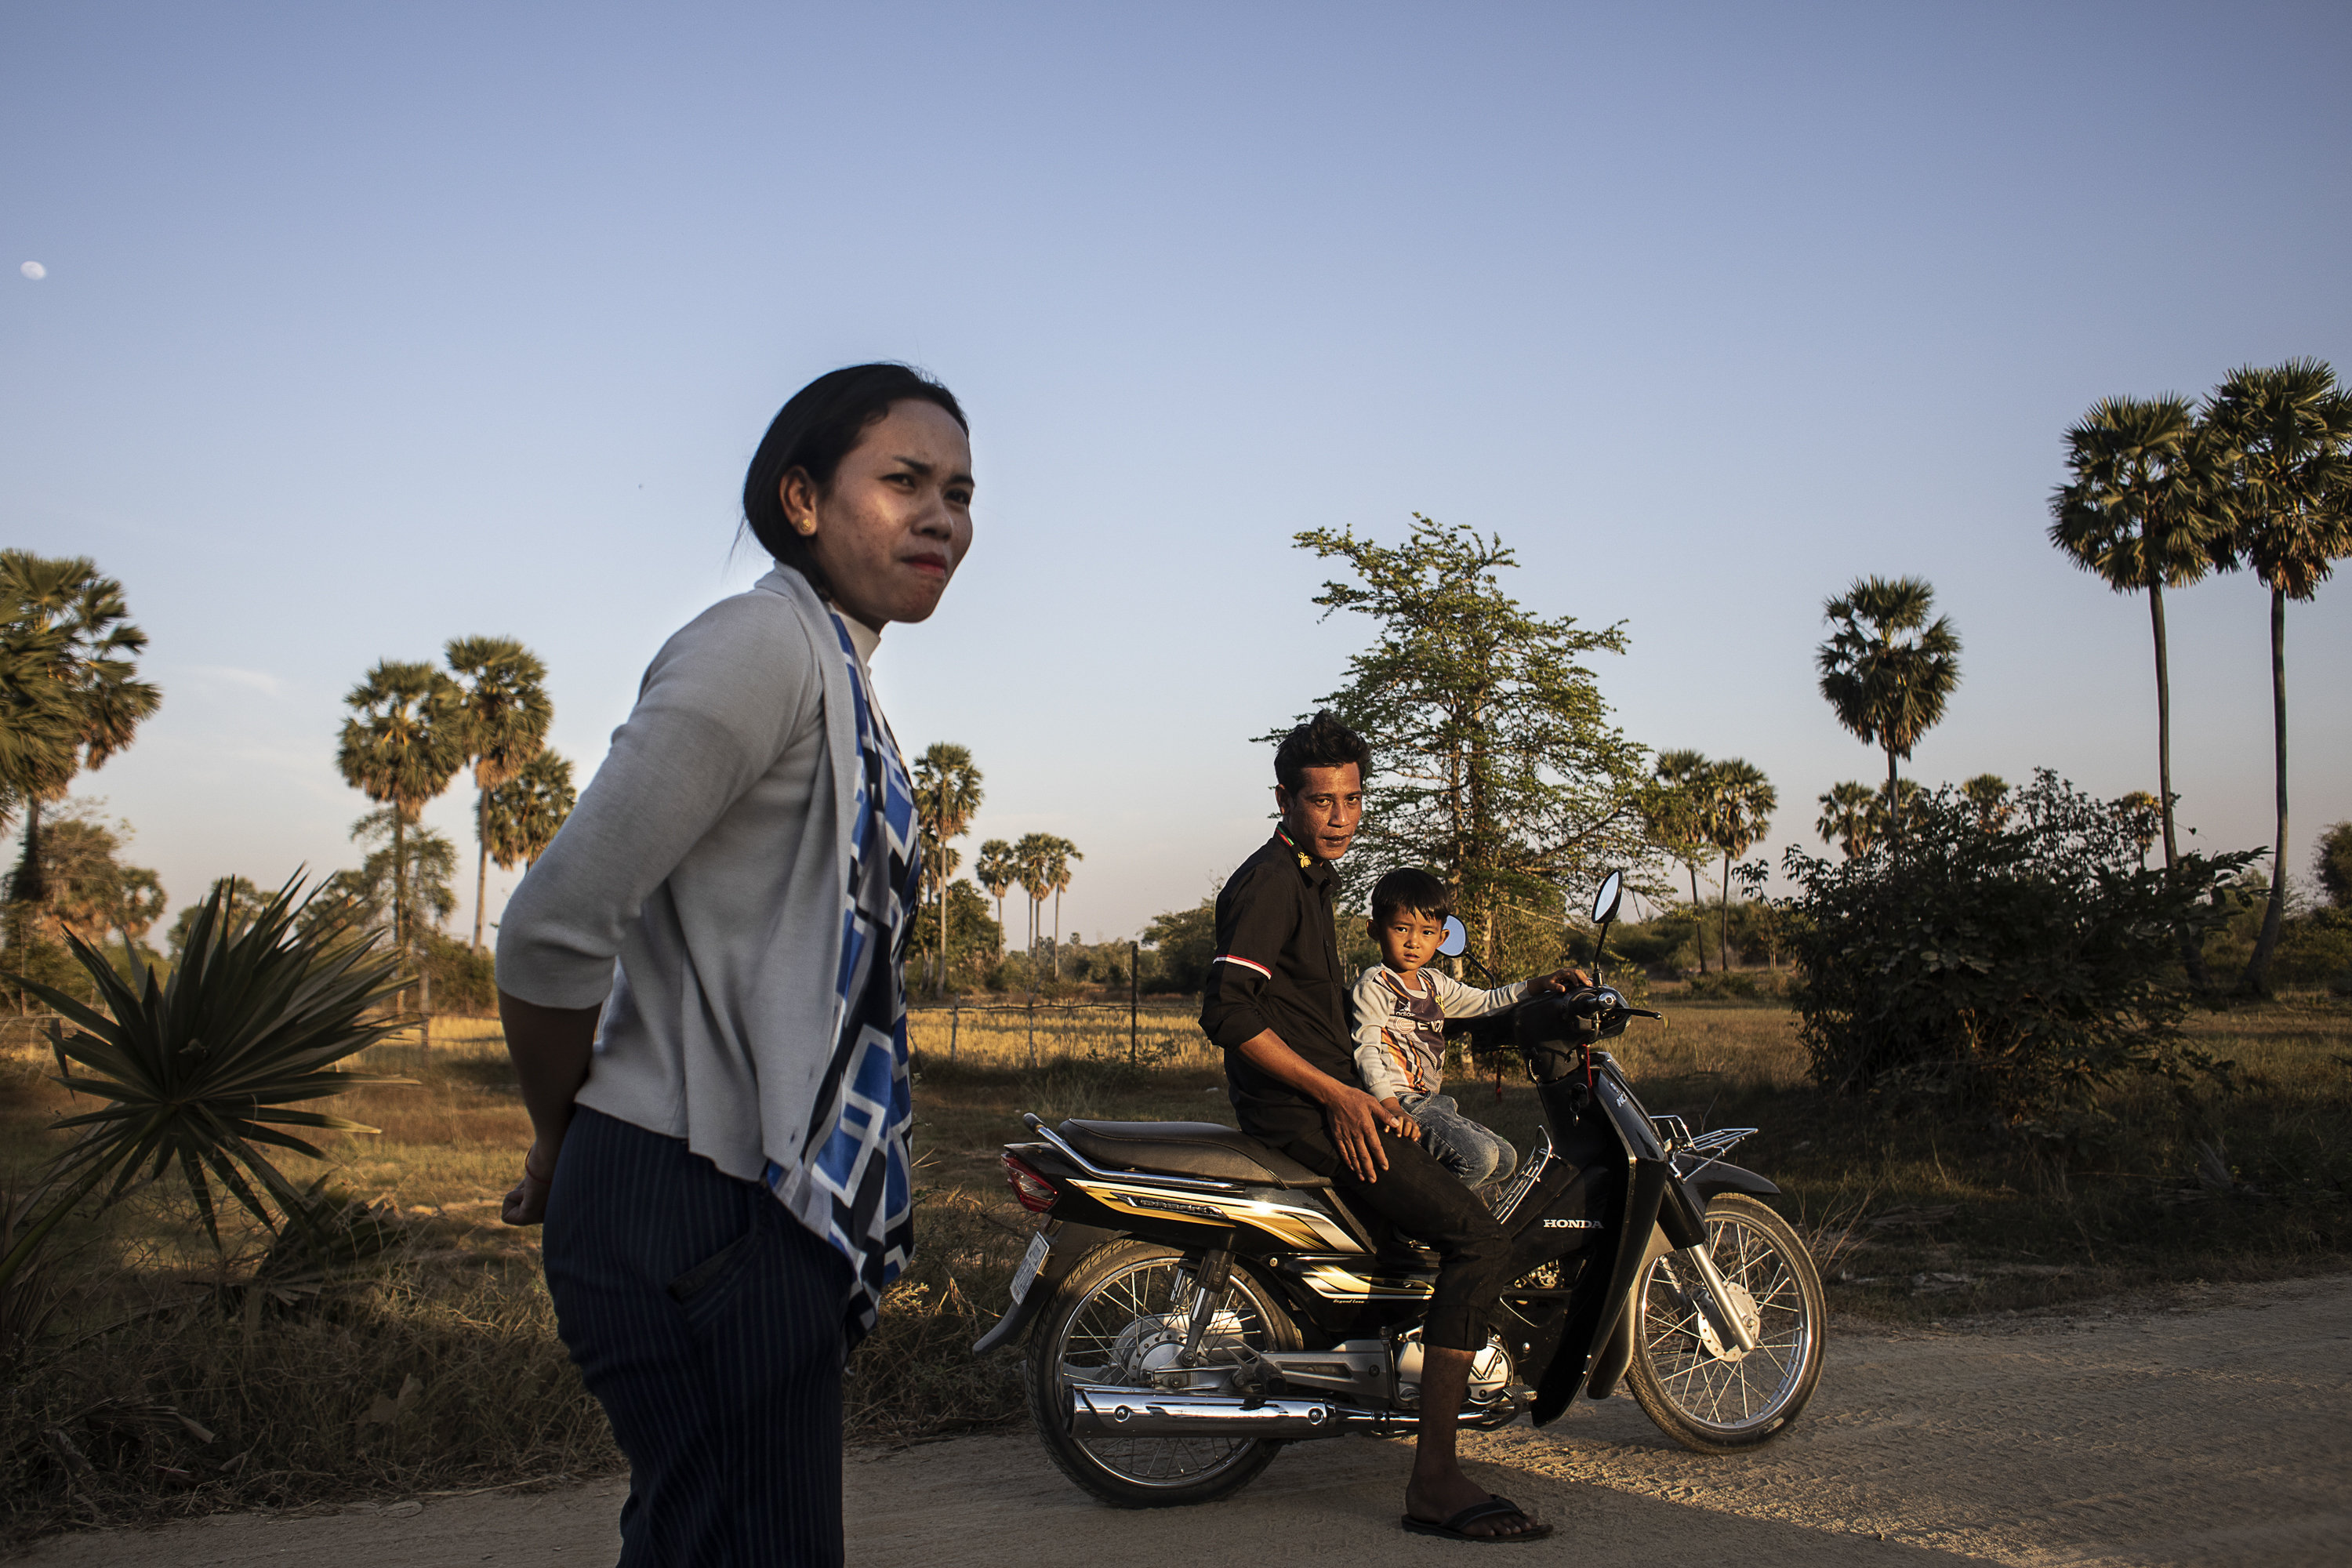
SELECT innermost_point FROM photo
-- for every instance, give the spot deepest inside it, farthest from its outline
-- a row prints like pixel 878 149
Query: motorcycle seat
pixel 1208 1149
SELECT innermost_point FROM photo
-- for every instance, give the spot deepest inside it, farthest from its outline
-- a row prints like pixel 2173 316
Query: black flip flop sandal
pixel 1456 1528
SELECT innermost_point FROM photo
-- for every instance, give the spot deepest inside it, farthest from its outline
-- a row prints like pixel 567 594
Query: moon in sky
pixel 33 270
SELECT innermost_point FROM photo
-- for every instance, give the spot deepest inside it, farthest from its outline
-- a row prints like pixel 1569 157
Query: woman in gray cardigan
pixel 702 986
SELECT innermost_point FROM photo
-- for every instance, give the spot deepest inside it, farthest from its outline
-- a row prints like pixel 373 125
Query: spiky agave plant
pixel 201 1071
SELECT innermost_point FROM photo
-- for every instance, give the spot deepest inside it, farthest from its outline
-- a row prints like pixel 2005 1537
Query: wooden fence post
pixel 1134 1001
pixel 1033 1031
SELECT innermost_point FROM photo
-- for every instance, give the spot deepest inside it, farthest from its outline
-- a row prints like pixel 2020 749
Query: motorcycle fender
pixel 1066 1244
pixel 1719 1177
pixel 1617 1355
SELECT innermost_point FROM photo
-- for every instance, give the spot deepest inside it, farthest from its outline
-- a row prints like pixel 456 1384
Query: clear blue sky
pixel 368 327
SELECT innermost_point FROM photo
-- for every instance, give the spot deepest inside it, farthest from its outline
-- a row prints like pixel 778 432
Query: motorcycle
pixel 1195 1299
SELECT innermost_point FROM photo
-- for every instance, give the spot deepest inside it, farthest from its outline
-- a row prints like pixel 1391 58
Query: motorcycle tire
pixel 1120 1295
pixel 1706 1400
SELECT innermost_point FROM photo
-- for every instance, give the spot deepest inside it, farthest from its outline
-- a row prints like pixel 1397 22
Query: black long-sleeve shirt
pixel 1277 967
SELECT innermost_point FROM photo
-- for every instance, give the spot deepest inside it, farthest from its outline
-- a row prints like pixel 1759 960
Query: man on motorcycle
pixel 1275 1001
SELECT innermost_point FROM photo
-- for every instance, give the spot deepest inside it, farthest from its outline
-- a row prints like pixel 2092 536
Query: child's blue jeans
pixel 1474 1153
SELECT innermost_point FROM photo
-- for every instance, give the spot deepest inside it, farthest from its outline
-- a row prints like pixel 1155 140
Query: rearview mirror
pixel 1605 901
pixel 1456 939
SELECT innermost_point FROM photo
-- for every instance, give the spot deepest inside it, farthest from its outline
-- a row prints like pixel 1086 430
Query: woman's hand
pixel 526 1203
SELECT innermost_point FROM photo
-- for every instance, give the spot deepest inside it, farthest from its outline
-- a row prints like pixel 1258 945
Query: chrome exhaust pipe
pixel 1097 1411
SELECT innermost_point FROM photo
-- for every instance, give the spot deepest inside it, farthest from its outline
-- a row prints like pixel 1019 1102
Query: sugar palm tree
pixel 525 811
pixel 1059 853
pixel 998 869
pixel 1988 794
pixel 2288 433
pixel 1886 669
pixel 502 698
pixel 2145 512
pixel 1033 862
pixel 404 742
pixel 1675 817
pixel 1737 803
pixel 948 795
pixel 1850 817
pixel 75 632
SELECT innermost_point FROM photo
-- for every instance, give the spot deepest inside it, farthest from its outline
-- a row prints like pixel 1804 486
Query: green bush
pixel 2014 967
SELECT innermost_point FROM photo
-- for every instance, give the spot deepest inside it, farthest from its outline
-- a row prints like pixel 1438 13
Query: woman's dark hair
pixel 1409 889
pixel 821 424
pixel 1321 743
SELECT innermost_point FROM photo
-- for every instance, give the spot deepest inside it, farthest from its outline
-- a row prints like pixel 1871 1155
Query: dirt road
pixel 2216 1434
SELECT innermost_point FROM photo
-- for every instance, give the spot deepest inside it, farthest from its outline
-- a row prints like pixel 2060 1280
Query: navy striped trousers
pixel 709 1322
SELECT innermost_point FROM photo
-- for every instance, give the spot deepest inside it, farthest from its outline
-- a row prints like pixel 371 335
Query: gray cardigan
pixel 697 890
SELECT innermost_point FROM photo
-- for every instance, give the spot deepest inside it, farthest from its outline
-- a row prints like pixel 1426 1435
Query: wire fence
pixel 1034 1032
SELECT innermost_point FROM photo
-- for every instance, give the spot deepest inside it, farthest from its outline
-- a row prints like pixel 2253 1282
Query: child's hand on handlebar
pixel 1569 979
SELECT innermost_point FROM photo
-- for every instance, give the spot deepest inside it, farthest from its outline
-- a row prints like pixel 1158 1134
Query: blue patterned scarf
pixel 854 1188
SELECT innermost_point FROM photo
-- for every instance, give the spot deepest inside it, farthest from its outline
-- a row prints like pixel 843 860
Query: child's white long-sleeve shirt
pixel 1400 1034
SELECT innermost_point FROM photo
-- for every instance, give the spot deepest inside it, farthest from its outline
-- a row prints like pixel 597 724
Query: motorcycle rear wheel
pixel 1698 1397
pixel 1112 1291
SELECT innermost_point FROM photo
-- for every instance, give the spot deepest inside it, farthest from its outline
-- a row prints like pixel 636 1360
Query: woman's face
pixel 896 521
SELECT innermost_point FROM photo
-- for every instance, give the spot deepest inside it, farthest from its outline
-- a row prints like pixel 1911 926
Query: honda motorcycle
pixel 1195 1299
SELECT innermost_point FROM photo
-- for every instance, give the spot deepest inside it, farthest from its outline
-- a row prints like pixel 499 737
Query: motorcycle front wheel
pixel 1704 1395
pixel 1114 1316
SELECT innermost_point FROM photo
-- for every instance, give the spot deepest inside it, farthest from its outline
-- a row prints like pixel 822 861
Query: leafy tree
pixel 1736 806
pixel 974 940
pixel 1886 669
pixel 234 901
pixel 92 892
pixel 2143 512
pixel 504 713
pixel 2332 865
pixel 404 742
pixel 1674 811
pixel 948 795
pixel 522 816
pixel 2288 433
pixel 998 870
pixel 1184 942
pixel 70 627
pixel 1494 763
pixel 1850 817
pixel 1988 797
pixel 407 881
pixel 2140 812
pixel 2011 968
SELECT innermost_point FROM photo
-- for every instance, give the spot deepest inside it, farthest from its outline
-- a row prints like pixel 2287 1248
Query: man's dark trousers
pixel 1430 1203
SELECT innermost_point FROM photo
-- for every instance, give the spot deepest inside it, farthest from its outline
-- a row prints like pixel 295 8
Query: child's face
pixel 1408 938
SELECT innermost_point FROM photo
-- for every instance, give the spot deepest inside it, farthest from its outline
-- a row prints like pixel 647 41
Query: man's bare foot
pixel 1434 1500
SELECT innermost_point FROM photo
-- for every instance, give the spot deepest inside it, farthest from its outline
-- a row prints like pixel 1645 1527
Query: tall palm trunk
pixel 400 891
pixel 2258 968
pixel 1893 807
pixel 1057 933
pixel 1725 927
pixel 1698 914
pixel 2192 950
pixel 481 859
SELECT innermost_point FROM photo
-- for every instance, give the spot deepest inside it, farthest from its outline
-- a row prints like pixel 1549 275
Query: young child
pixel 1400 1011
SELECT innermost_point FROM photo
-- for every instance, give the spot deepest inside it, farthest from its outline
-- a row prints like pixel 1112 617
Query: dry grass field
pixel 438 1369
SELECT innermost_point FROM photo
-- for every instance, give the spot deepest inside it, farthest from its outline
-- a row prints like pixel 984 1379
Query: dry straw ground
pixel 438 1370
